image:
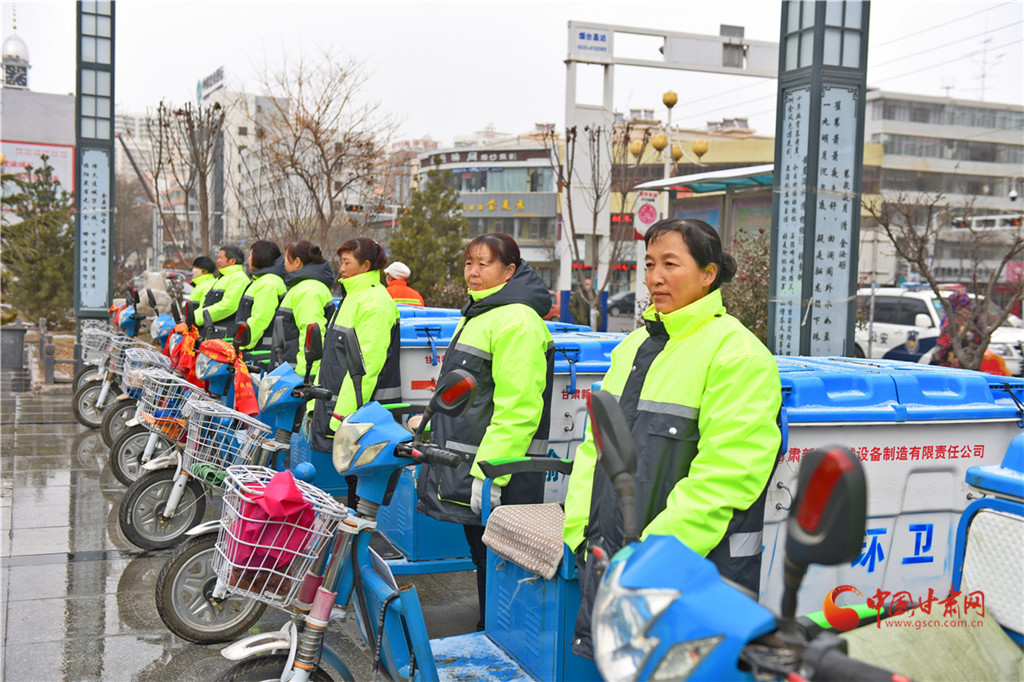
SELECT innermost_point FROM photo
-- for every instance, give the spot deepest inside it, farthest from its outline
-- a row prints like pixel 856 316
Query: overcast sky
pixel 446 69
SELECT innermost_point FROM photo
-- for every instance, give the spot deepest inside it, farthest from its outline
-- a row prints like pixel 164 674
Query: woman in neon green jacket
pixel 505 344
pixel 309 278
pixel 260 299
pixel 367 308
pixel 701 395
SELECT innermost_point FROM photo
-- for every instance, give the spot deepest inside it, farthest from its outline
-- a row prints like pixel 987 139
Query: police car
pixel 906 326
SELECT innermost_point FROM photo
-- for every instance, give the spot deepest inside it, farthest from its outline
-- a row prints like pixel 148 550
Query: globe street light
pixel 669 99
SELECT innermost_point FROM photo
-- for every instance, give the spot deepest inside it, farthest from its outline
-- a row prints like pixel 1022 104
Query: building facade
pixel 507 186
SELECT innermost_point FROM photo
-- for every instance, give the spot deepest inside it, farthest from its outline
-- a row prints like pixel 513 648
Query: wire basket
pixel 115 357
pixel 219 437
pixel 95 344
pixel 137 363
pixel 160 407
pixel 267 557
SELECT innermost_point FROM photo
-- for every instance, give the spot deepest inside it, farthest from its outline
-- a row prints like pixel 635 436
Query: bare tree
pixel 200 139
pixel 920 226
pixel 317 156
pixel 605 151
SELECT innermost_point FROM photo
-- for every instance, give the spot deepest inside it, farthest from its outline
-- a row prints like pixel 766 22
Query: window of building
pixel 536 229
pixel 243 131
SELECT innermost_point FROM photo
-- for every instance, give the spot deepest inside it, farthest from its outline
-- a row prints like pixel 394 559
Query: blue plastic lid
pixel 420 311
pixel 421 331
pixel 835 389
pixel 585 351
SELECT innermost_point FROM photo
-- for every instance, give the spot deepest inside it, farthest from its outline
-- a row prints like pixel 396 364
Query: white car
pixel 906 326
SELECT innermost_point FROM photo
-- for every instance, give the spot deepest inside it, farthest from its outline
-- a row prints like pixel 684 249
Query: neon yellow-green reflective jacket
pixel 200 286
pixel 222 299
pixel 259 303
pixel 701 395
pixel 704 424
pixel 503 342
pixel 370 311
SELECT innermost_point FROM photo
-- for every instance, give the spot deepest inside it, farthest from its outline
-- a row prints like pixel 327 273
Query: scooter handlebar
pixel 312 392
pixel 835 665
pixel 429 454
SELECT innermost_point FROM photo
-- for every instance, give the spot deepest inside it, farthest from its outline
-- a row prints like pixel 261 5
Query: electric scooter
pixel 187 598
pixel 136 362
pixel 167 500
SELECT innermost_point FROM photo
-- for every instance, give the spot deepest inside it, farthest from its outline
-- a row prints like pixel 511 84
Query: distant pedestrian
pixel 579 308
pixel 397 273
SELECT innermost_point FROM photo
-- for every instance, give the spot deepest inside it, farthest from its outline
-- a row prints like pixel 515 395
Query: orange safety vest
pixel 403 293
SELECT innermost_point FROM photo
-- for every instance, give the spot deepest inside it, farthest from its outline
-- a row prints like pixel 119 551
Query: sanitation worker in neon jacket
pixel 222 300
pixel 367 308
pixel 203 278
pixel 309 278
pixel 502 340
pixel 701 395
pixel 260 300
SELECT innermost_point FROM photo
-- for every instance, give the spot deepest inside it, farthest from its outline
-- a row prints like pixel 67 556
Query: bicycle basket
pixel 95 343
pixel 163 398
pixel 137 363
pixel 264 547
pixel 219 437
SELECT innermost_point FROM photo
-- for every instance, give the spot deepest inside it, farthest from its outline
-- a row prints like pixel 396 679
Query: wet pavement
pixel 78 598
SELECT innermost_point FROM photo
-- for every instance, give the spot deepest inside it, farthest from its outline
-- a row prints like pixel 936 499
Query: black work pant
pixel 478 552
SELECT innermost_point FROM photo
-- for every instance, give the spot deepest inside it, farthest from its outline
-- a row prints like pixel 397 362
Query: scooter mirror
pixel 242 335
pixel 617 455
pixel 176 313
pixel 134 295
pixel 353 354
pixel 828 516
pixel 454 393
pixel 314 343
pixel 277 339
pixel 313 347
pixel 151 297
pixel 207 324
pixel 615 449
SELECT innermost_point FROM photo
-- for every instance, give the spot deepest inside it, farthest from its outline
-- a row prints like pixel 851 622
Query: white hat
pixel 398 270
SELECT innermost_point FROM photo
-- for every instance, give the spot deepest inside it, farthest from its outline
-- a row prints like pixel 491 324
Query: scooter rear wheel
pixel 114 417
pixel 184 596
pixel 126 453
pixel 141 514
pixel 265 668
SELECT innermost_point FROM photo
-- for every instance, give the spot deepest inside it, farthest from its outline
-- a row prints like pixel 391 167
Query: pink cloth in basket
pixel 271 528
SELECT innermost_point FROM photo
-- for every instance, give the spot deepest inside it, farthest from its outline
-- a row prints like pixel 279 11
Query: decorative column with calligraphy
pixel 94 181
pixel 819 146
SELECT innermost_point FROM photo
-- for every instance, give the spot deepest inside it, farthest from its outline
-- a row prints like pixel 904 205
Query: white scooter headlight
pixel 346 446
pixel 266 394
pixel 202 365
pixel 621 621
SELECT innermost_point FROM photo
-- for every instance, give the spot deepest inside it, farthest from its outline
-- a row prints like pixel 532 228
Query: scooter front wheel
pixel 127 451
pixel 115 418
pixel 84 403
pixel 184 596
pixel 141 515
pixel 87 373
pixel 266 668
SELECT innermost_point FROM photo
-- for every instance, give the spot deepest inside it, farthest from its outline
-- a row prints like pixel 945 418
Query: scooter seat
pixel 528 535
